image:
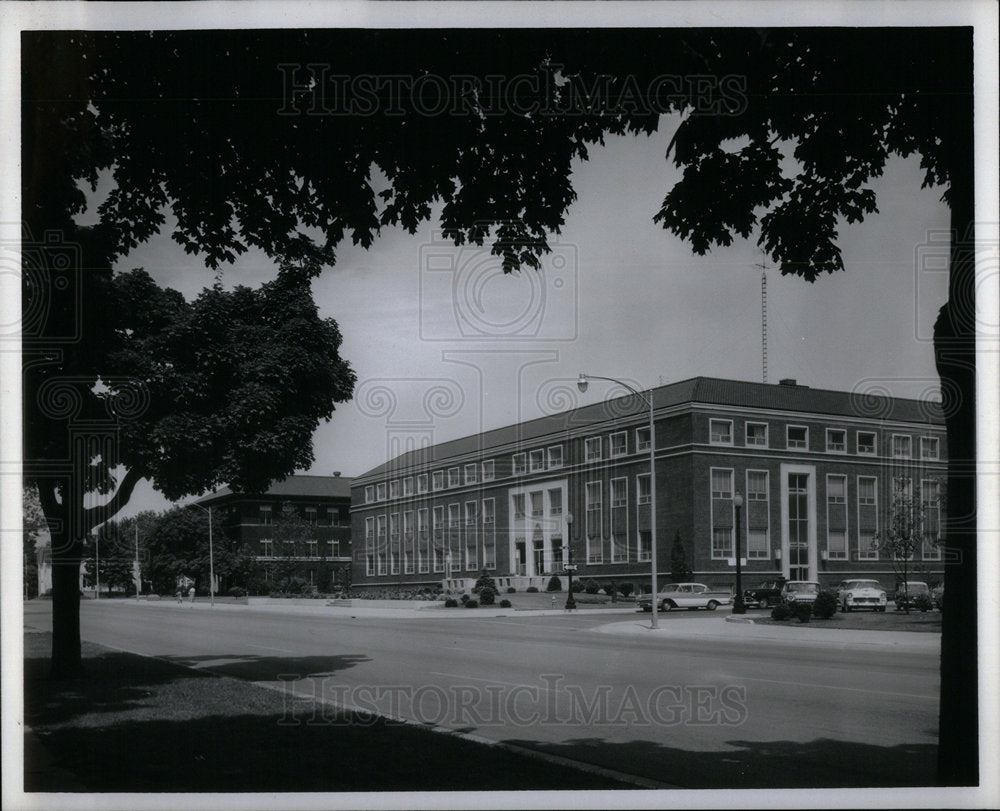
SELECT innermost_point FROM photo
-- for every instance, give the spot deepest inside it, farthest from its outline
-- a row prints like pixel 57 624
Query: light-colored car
pixel 800 591
pixel 853 595
pixel 685 595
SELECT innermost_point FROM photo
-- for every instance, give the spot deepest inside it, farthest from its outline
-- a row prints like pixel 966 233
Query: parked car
pixel 856 594
pixel 799 591
pixel 767 593
pixel 908 592
pixel 937 594
pixel 685 595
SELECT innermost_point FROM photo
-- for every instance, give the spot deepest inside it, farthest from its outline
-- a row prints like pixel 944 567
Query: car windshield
pixel 804 588
pixel 863 584
pixel 914 587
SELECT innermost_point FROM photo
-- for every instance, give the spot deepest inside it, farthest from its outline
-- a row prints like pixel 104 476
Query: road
pixel 672 706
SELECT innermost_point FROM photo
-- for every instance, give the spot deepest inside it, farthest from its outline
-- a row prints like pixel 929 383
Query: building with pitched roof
pixel 817 470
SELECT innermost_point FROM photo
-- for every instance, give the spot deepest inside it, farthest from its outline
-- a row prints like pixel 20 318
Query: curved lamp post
pixel 211 556
pixel 582 385
pixel 570 566
pixel 739 607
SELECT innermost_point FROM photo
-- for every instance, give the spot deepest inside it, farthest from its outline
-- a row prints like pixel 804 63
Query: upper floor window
pixel 488 511
pixel 519 460
pixel 722 483
pixel 901 446
pixel 518 499
pixel 797 436
pixel 369 493
pixel 619 493
pixel 643 489
pixel 394 489
pixel 866 490
pixel 537 507
pixel 757 434
pixel 592 448
pixel 380 491
pixel 489 471
pixel 437 479
pixel 555 501
pixel 721 432
pixel 536 460
pixel 619 444
pixel 836 489
pixel 836 440
pixel 471 473
pixel 408 486
pixel 756 485
pixel 311 515
pixel 454 477
pixel 265 514
pixel 642 439
pixel 422 483
pixel 929 448
pixel 555 456
pixel 866 443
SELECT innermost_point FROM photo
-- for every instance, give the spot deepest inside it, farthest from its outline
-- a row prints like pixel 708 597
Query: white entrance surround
pixel 810 471
pixel 544 521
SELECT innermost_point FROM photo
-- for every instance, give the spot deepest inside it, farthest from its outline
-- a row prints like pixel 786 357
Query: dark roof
pixel 703 390
pixel 302 486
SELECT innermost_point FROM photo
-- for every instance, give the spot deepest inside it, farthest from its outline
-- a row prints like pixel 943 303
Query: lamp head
pixel 581 384
pixel 569 518
pixel 738 500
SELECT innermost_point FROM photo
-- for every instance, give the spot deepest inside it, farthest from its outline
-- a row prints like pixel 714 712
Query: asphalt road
pixel 687 711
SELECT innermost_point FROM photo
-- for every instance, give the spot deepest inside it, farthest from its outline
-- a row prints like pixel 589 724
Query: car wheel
pixel 712 605
pixel 847 608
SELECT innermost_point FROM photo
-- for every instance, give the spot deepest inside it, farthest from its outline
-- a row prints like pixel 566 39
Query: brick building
pixel 817 470
pixel 315 547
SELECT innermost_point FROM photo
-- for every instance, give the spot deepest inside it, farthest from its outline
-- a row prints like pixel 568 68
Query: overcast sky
pixel 444 345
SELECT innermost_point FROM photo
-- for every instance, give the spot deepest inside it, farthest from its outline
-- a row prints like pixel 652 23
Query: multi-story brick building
pixel 315 546
pixel 817 470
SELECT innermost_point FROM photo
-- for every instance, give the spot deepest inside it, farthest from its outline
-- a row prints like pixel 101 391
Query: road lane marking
pixel 495 681
pixel 814 686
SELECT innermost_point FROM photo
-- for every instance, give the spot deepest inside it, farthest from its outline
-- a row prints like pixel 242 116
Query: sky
pixel 445 345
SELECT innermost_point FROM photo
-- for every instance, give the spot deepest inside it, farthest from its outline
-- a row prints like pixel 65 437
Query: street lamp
pixel 570 566
pixel 739 607
pixel 582 385
pixel 211 556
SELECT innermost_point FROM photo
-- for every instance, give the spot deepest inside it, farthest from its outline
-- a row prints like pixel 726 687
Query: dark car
pixel 913 594
pixel 767 593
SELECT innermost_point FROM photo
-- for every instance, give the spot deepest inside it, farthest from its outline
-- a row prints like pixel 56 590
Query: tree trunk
pixel 954 346
pixel 66 658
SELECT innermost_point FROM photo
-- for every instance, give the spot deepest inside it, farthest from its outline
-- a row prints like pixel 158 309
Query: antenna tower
pixel 763 314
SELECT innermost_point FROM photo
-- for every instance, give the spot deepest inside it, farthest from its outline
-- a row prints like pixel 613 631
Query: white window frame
pixel 598 536
pixel 857 443
pixel 369 493
pixel 519 463
pixel 422 483
pixel 642 444
pixel 454 477
pixel 536 460
pixel 558 509
pixel 908 443
pixel 927 442
pixel 408 486
pixel 489 470
pixel 712 422
pixel 472 473
pixel 843 433
pixel 842 500
pixel 592 449
pixel 554 456
pixel 622 502
pixel 712 499
pixel 640 497
pixel 640 556
pixel 753 496
pixel 394 488
pixel 788 441
pixel 611 444
pixel 746 434
pixel 437 480
pixel 926 505
pixel 872 552
pixel 380 491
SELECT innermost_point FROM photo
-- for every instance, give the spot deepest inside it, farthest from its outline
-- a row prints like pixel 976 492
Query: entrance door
pixel 521 568
pixel 798 526
pixel 539 551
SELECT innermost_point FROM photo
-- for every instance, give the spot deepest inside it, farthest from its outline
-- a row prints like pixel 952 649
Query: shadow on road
pixel 269 668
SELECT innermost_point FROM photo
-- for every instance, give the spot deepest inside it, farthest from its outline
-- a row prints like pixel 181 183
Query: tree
pixel 33 524
pixel 169 115
pixel 904 535
pixel 680 571
pixel 292 535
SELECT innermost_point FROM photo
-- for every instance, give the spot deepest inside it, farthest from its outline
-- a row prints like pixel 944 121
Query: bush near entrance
pixel 554 584
pixel 825 605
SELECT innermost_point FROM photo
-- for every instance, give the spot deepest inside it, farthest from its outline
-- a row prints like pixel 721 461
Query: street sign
pixel 571 567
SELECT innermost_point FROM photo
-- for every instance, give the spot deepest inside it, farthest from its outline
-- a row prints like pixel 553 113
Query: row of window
pixel 797 437
pixel 334 517
pixel 293 549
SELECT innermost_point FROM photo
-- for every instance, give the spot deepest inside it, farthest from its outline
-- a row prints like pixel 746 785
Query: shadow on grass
pixel 269 668
pixel 820 763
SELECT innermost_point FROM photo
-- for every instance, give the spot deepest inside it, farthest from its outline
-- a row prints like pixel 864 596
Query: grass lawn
pixel 890 620
pixel 140 724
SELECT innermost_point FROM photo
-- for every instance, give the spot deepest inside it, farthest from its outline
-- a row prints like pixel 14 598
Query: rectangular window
pixel 901 446
pixel 930 448
pixel 836 517
pixel 267 547
pixel 595 551
pixel 310 516
pixel 423 541
pixel 756 485
pixel 866 490
pixel 555 456
pixel 930 498
pixel 454 538
pixel 836 489
pixel 408 486
pixel 381 544
pixel 555 501
pixel 489 511
pixel 380 491
pixel 409 555
pixel 836 440
pixel 394 489
pixel 722 512
pixel 720 432
pixel 867 548
pixel 518 499
pixel 369 494
pixel 536 460
pixel 722 483
pixel 437 479
pixel 472 473
pixel 619 548
pixel 489 534
pixel 489 471
pixel 866 443
pixel 644 494
pixel 902 488
pixel 334 548
pixel 867 517
pixel 797 436
pixel 757 434
pixel 438 543
pixel 519 462
pixel 722 542
pixel 645 551
pixel 394 543
pixel 471 535
pixel 537 510
pixel 618 493
pixel 592 448
pixel 422 483
pixel 619 444
pixel 265 515
pixel 454 477
pixel 757 543
pixel 836 544
pixel 642 439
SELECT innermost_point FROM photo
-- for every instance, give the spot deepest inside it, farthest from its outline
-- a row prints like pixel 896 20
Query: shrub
pixel 577 586
pixel 472 603
pixel 484 582
pixel 825 605
pixel 923 602
pixel 781 612
pixel 625 589
pixel 532 590
pixel 237 591
pixel 487 596
pixel 451 602
pixel 465 598
pixel 592 587
pixel 505 603
pixel 555 584
pixel 511 590
pixel 803 611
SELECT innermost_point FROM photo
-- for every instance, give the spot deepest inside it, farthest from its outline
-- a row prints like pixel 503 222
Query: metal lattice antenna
pixel 763 313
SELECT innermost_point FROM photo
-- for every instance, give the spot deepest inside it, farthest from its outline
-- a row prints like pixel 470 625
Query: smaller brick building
pixel 300 526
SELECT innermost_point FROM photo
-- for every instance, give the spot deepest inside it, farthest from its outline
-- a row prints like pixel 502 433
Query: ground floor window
pixel 722 542
pixel 645 551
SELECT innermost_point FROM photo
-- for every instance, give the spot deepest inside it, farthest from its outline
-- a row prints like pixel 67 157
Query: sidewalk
pixel 727 627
